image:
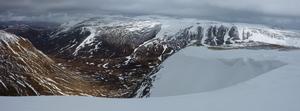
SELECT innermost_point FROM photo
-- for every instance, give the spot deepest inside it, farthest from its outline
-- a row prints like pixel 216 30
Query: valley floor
pixel 245 80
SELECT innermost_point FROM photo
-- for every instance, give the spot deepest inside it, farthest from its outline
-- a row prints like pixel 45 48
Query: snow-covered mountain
pixel 119 56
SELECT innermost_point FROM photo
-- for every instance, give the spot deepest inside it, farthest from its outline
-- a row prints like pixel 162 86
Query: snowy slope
pixel 275 90
pixel 185 75
pixel 196 70
pixel 7 38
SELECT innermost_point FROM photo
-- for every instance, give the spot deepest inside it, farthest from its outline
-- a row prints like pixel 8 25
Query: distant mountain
pixel 37 32
pixel 101 37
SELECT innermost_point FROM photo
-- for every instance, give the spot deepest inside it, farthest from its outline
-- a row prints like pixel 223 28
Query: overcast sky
pixel 279 11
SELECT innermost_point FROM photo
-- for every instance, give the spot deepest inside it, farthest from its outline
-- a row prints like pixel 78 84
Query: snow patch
pixel 7 37
pixel 86 41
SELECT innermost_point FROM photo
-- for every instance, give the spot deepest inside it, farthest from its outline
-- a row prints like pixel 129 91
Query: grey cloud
pixel 270 7
pixel 229 10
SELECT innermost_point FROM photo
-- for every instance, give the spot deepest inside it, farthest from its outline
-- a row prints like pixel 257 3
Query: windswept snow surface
pixel 272 85
pixel 195 70
pixel 186 74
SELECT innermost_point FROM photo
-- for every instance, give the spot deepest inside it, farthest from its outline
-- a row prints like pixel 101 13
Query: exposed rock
pixel 222 30
pixel 234 33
